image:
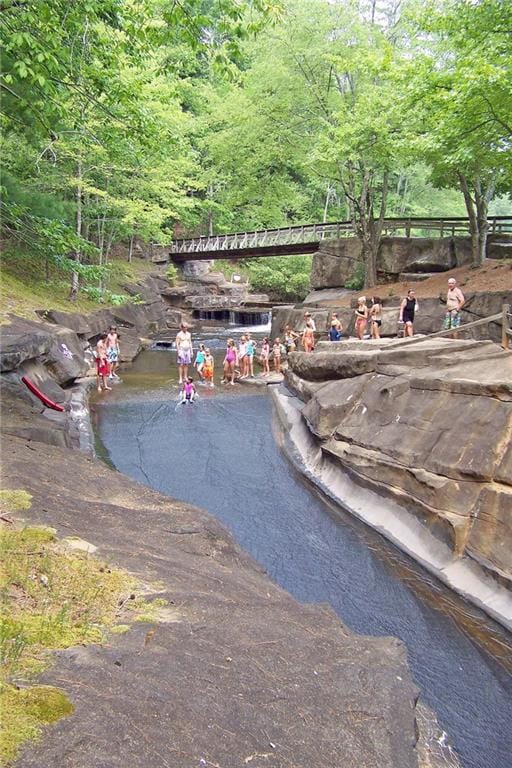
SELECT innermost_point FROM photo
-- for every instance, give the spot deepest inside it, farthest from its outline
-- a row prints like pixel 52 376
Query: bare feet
pixel 99 389
pixel 109 389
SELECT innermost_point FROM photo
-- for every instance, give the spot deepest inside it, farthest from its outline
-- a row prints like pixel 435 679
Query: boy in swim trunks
pixel 208 368
pixel 102 368
pixel 113 351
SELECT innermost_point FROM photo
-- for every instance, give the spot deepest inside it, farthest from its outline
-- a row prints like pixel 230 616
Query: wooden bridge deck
pixel 285 241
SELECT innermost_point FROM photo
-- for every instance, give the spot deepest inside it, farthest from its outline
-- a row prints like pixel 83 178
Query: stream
pixel 222 454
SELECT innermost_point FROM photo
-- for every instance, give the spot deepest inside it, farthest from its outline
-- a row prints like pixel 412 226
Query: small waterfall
pixel 233 316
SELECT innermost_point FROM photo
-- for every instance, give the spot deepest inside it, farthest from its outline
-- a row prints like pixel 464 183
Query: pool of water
pixel 221 455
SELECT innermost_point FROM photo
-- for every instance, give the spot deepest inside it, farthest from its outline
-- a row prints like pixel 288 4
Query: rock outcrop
pixel 231 671
pixel 336 261
pixel 428 425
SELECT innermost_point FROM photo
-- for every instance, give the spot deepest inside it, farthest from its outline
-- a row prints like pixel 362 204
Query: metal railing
pixel 316 233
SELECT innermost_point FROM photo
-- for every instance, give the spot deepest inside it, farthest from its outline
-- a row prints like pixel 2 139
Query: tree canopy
pixel 124 120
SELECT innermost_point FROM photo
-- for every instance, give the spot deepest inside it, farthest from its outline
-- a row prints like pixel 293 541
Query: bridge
pixel 285 241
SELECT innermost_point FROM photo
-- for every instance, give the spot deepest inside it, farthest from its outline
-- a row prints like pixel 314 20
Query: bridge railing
pixel 326 231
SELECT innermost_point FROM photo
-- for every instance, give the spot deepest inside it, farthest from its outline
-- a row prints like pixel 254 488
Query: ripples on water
pixel 220 454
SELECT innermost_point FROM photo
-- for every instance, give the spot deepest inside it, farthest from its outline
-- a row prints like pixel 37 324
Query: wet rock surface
pixel 235 671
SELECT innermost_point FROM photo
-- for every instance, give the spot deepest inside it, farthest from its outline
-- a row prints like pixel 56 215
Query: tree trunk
pixel 130 247
pixel 477 209
pixel 77 255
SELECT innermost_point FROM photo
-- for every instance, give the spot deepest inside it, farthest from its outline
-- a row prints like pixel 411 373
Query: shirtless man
pixel 184 351
pixel 113 351
pixel 102 363
pixel 454 303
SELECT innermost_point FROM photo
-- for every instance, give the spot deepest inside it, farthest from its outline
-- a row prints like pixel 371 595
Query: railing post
pixel 408 228
pixel 505 311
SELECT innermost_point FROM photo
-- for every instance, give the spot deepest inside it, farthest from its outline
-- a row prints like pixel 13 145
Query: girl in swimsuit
pixel 230 362
pixel 188 392
pixel 376 317
pixel 308 337
pixel 289 339
pixel 199 361
pixel 265 354
pixel 242 357
pixel 251 349
pixel 361 317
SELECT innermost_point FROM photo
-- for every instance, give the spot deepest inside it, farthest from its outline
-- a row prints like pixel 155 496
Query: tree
pixel 459 89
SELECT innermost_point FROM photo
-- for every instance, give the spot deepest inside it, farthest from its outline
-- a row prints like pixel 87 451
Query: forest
pixel 132 121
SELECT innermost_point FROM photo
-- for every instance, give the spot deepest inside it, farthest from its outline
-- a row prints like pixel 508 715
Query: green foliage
pixel 356 282
pixel 171 274
pixel 283 278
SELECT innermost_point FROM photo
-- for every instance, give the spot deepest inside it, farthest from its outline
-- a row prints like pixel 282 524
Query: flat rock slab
pixel 236 673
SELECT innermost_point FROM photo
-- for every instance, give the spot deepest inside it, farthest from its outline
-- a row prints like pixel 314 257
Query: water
pixel 220 454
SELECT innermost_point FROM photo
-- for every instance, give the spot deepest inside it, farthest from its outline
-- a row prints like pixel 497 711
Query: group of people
pixel 107 358
pixel 372 315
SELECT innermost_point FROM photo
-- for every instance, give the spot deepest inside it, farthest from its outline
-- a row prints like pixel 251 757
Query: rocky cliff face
pixel 427 425
pixel 399 257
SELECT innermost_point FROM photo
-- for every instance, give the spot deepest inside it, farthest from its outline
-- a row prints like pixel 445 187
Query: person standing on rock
pixel 308 337
pixel 230 363
pixel 309 321
pixel 113 351
pixel 184 351
pixel 334 332
pixel 290 339
pixel 336 321
pixel 376 317
pixel 102 368
pixel 407 309
pixel 454 303
pixel 361 317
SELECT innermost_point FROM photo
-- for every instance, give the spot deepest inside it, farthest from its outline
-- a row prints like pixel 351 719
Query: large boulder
pixel 430 254
pixel 335 262
pixel 427 424
pixel 20 342
pixel 195 270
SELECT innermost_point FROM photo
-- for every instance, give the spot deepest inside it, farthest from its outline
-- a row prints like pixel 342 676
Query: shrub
pixel 171 274
pixel 356 282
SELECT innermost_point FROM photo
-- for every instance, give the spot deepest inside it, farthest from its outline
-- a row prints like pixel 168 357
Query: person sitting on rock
pixel 334 331
pixel 408 307
pixel 188 392
pixel 290 339
pixel 361 317
pixel 376 317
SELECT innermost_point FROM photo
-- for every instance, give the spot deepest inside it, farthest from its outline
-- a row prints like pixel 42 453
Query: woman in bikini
pixel 308 337
pixel 230 363
pixel 264 357
pixel 361 317
pixel 376 317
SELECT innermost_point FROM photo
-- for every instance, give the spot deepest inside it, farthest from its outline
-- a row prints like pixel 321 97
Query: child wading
pixel 208 368
pixel 188 392
pixel 250 351
pixel 199 361
pixel 242 357
pixel 102 368
pixel 264 357
pixel 230 363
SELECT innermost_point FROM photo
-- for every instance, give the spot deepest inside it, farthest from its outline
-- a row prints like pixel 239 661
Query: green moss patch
pixel 51 598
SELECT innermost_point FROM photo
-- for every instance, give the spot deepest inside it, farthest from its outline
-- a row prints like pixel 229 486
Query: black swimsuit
pixel 408 314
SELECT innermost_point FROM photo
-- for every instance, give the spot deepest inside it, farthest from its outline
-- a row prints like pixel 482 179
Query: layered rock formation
pixel 427 425
pixel 336 260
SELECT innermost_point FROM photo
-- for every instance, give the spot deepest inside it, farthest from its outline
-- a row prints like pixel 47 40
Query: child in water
pixel 188 392
pixel 230 363
pixel 208 368
pixel 199 361
pixel 265 354
pixel 250 351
